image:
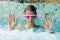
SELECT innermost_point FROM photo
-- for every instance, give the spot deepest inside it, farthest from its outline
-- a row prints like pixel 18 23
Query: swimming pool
pixel 18 8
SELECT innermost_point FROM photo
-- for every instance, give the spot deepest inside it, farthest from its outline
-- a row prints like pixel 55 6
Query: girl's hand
pixel 48 23
pixel 11 21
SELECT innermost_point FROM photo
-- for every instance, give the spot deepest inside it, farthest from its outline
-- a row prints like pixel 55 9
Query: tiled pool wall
pixel 18 10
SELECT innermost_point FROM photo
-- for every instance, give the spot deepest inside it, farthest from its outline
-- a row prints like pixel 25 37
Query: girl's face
pixel 30 16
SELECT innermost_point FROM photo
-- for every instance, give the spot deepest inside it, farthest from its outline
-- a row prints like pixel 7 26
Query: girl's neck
pixel 30 25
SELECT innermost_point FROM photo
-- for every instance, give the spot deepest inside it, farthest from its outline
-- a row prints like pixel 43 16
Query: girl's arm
pixel 19 27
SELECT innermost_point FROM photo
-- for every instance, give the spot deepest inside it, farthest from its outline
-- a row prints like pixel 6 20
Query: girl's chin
pixel 30 21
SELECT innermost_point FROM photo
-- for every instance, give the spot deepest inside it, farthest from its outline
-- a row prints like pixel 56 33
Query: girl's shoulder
pixel 19 27
pixel 40 27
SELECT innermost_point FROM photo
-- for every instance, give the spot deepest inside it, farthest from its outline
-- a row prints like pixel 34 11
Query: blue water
pixel 18 9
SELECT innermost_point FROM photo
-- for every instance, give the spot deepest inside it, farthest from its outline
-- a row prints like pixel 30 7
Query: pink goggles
pixel 33 17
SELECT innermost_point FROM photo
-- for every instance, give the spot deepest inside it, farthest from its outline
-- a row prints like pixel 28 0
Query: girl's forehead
pixel 29 12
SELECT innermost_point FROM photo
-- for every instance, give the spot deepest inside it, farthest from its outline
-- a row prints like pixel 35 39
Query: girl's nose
pixel 30 18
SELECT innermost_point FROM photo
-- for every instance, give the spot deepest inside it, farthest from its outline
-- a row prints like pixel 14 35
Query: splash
pixel 26 35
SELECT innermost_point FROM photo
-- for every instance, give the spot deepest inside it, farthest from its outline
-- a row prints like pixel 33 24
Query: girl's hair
pixel 30 8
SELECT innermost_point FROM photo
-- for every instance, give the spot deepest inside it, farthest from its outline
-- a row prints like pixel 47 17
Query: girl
pixel 30 15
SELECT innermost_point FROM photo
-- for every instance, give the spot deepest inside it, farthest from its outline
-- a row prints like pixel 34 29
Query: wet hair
pixel 31 8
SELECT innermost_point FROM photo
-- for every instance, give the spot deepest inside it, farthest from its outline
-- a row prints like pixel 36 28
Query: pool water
pixel 28 35
pixel 18 8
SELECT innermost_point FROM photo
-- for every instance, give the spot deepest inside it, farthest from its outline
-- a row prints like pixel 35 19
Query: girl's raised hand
pixel 11 21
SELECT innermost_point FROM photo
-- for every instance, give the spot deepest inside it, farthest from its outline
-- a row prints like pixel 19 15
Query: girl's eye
pixel 27 16
pixel 33 16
